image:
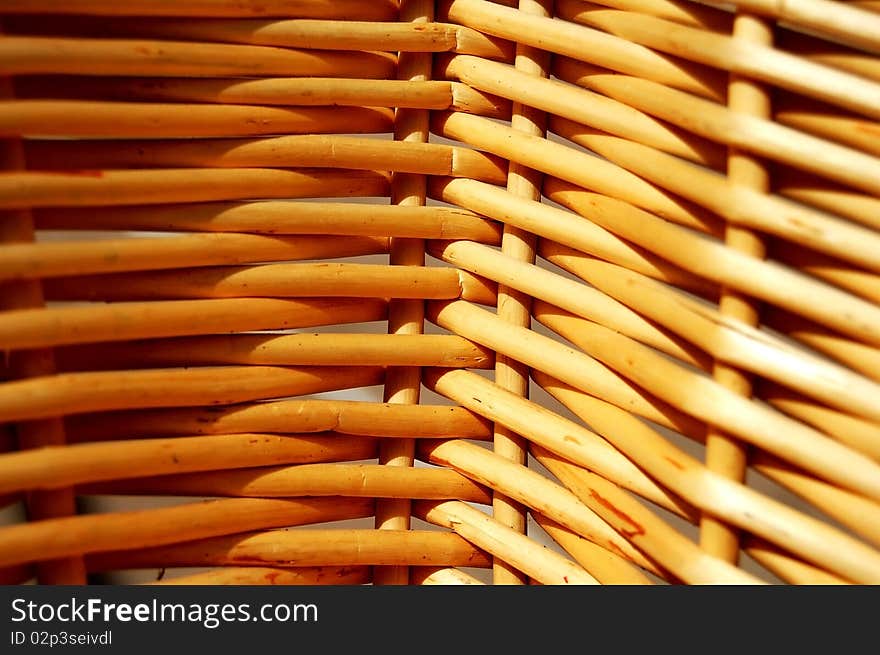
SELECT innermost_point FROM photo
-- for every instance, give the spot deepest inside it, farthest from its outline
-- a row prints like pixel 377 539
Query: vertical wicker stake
pixel 18 226
pixel 513 306
pixel 725 455
pixel 405 316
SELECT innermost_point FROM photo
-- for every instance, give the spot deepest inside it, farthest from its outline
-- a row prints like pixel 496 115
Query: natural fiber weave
pixel 346 292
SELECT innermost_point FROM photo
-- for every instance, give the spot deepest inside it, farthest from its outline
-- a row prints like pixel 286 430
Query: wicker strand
pixel 513 305
pixel 724 455
pixel 16 227
pixel 326 9
pixel 642 361
pixel 403 384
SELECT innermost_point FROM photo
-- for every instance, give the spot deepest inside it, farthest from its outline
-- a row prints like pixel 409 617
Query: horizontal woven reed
pixel 379 292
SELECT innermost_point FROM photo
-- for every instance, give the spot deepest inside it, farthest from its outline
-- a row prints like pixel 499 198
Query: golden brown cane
pixel 532 490
pixel 652 535
pixel 740 205
pixel 607 566
pixel 76 535
pixel 402 384
pixel 215 284
pixel 83 118
pixel 344 9
pixel 121 321
pixel 845 23
pixel 577 298
pixel 557 434
pixel 40 55
pixel 291 349
pixel 302 548
pixel 723 52
pixel 572 40
pixel 72 393
pixel 60 466
pixel 301 151
pixel 311 415
pixel 560 226
pixel 514 306
pixel 723 454
pixel 286 91
pixel 259 575
pixel 693 14
pixel 762 137
pixel 17 226
pixel 327 280
pixel 788 568
pixel 859 434
pixel 279 218
pixel 354 480
pixel 656 375
pixel 425 575
pixel 312 34
pixel 518 550
pixel 159 186
pixel 731 342
pixel 742 507
pixel 52 260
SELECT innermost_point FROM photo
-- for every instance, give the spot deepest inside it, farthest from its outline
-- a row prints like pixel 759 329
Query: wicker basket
pixel 359 291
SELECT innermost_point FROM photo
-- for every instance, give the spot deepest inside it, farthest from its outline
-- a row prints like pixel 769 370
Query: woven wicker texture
pixel 359 291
